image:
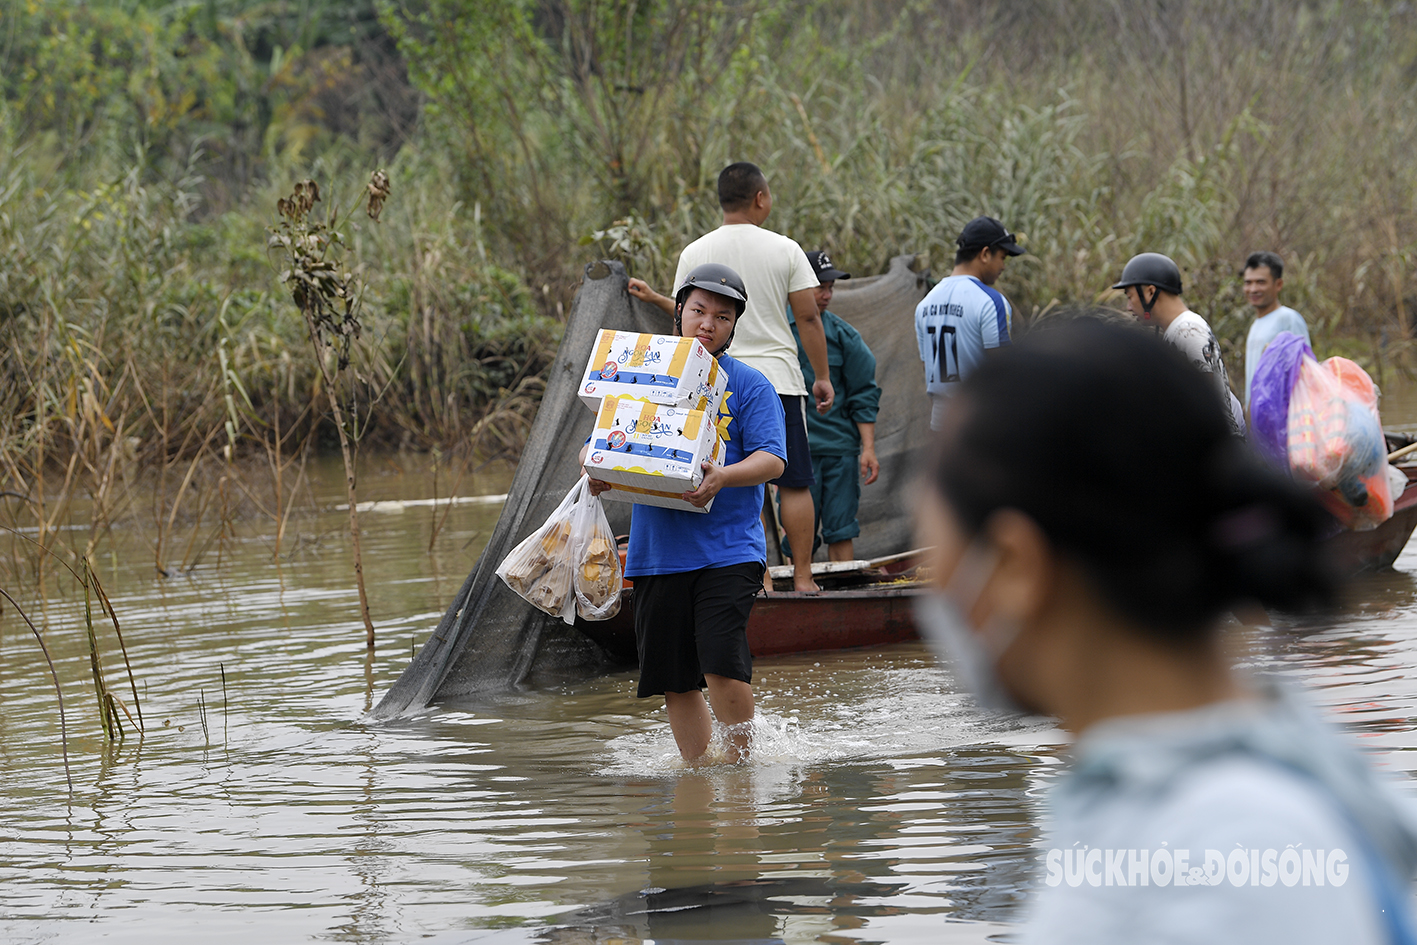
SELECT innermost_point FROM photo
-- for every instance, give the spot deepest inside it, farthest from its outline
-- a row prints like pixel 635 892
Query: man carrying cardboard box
pixel 696 574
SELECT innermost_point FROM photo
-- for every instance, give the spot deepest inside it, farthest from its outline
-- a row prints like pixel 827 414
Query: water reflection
pixel 880 808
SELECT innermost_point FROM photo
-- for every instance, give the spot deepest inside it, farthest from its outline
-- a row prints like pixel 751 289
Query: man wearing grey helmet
pixel 696 574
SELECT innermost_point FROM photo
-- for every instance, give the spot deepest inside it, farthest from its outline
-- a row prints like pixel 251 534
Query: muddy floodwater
pixel 261 805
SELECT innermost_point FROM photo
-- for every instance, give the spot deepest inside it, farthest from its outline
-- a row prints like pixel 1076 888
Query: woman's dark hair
pixel 1118 448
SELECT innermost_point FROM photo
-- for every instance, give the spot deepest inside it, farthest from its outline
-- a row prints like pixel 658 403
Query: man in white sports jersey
pixel 778 276
pixel 1153 286
pixel 964 316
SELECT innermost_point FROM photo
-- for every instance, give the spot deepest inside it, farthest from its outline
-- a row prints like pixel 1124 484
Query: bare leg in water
pixel 692 723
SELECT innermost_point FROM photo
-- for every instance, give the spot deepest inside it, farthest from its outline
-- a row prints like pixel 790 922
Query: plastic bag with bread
pixel 570 564
pixel 599 576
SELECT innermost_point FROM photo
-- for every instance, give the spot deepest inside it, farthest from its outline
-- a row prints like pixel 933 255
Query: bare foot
pixel 805 586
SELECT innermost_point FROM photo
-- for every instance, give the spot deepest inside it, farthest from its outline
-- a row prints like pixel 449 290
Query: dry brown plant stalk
pixel 109 705
pixel 329 298
pixel 54 675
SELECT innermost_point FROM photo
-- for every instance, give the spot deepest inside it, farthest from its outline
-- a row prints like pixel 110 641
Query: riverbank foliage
pixel 144 145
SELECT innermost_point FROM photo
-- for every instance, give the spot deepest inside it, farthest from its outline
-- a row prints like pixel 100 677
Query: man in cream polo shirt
pixel 778 276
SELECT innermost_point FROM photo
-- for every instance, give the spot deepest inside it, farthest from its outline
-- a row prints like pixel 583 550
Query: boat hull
pixel 788 622
pixel 1373 550
pixel 877 614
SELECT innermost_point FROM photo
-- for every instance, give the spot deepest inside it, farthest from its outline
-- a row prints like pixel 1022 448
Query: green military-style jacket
pixel 852 370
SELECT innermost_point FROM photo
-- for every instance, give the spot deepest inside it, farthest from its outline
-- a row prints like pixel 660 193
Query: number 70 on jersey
pixel 945 351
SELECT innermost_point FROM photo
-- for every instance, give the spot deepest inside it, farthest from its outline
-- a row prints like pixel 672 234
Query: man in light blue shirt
pixel 964 315
pixel 1264 277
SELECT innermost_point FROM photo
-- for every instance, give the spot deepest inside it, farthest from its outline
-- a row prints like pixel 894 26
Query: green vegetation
pixel 1202 129
pixel 145 144
pixel 144 149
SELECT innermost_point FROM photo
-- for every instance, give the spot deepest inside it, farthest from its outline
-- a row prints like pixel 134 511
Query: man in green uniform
pixel 843 440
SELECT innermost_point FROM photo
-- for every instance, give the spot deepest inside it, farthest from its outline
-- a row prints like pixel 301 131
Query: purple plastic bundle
pixel 1269 396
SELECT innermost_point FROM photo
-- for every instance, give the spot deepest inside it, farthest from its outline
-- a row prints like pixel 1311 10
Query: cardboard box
pixel 665 369
pixel 651 453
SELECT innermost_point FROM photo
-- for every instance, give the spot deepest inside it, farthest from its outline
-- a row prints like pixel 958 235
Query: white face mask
pixel 972 657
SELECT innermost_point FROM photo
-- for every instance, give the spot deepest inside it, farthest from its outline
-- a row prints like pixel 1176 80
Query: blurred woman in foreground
pixel 1092 519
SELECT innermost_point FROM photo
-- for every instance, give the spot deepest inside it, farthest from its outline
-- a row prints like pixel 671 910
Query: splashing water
pixel 889 711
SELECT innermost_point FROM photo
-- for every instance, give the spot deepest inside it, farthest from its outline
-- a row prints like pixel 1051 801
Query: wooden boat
pixel 489 639
pixel 870 603
pixel 862 603
pixel 1379 548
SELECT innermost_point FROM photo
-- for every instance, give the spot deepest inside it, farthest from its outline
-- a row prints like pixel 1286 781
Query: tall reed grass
pixel 133 336
pixel 141 329
pixel 1203 129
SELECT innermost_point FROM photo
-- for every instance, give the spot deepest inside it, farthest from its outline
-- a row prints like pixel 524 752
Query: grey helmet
pixel 715 278
pixel 1150 269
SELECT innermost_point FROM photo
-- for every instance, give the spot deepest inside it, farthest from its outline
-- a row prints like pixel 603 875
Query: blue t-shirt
pixel 954 324
pixel 668 541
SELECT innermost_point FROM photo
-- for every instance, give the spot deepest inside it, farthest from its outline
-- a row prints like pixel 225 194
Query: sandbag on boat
pixel 1320 421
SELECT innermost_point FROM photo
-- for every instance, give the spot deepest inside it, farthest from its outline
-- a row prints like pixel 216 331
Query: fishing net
pixel 882 309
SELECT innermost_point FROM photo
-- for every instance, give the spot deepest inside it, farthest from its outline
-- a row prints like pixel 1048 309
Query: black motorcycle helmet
pixel 1150 269
pixel 716 278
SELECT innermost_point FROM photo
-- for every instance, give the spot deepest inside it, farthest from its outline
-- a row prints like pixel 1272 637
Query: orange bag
pixel 1336 441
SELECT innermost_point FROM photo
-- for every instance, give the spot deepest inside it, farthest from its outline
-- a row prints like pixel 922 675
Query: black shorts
pixel 694 622
pixel 798 472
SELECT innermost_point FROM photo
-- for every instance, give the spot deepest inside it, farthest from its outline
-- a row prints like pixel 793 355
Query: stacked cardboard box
pixel 664 369
pixel 656 399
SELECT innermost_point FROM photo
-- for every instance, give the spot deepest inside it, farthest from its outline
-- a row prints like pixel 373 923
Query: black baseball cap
pixel 822 266
pixel 986 232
